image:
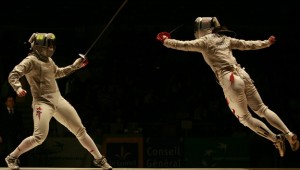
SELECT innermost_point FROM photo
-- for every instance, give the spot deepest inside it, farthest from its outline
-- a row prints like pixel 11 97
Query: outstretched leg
pixel 42 114
pixel 68 117
pixel 234 86
pixel 256 104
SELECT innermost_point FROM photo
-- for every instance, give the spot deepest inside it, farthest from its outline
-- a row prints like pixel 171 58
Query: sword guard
pixel 82 56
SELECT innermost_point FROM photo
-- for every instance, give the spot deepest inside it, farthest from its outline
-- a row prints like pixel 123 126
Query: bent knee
pixel 38 139
pixel 81 133
pixel 261 111
pixel 245 119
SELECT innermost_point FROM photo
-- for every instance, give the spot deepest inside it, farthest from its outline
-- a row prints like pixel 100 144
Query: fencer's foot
pixel 12 162
pixel 280 144
pixel 102 163
pixel 293 140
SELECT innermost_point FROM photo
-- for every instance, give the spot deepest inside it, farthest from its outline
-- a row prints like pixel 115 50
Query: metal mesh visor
pixel 202 23
pixel 43 51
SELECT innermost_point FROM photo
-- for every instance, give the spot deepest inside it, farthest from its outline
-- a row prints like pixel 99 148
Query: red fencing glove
pixel 21 92
pixel 272 39
pixel 162 36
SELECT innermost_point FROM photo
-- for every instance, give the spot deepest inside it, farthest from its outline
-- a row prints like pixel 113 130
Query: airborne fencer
pixel 212 41
pixel 41 73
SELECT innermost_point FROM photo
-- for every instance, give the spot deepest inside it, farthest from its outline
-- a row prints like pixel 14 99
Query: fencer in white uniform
pixel 239 90
pixel 41 73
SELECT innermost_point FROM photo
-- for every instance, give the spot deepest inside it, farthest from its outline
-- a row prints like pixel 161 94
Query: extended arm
pixel 251 44
pixel 64 71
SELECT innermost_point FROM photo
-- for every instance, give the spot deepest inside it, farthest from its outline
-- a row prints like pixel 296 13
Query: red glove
pixel 162 36
pixel 21 92
pixel 80 62
pixel 85 62
pixel 272 39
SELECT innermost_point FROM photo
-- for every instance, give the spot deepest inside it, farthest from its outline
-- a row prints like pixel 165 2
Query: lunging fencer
pixel 41 73
pixel 212 41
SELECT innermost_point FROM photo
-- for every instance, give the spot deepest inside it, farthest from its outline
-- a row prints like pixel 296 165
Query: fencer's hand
pixel 272 39
pixel 162 36
pixel 80 62
pixel 21 92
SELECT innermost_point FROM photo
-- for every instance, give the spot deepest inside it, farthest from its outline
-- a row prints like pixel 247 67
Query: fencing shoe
pixel 12 162
pixel 102 163
pixel 293 140
pixel 280 144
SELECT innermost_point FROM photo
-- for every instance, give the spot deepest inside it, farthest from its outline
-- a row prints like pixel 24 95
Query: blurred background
pixel 149 106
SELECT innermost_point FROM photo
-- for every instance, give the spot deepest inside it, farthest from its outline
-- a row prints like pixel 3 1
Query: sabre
pixel 107 25
pixel 175 29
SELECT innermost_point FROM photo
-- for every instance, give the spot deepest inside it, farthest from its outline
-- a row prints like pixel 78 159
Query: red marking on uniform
pixel 91 151
pixel 231 77
pixel 39 112
pixel 233 111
